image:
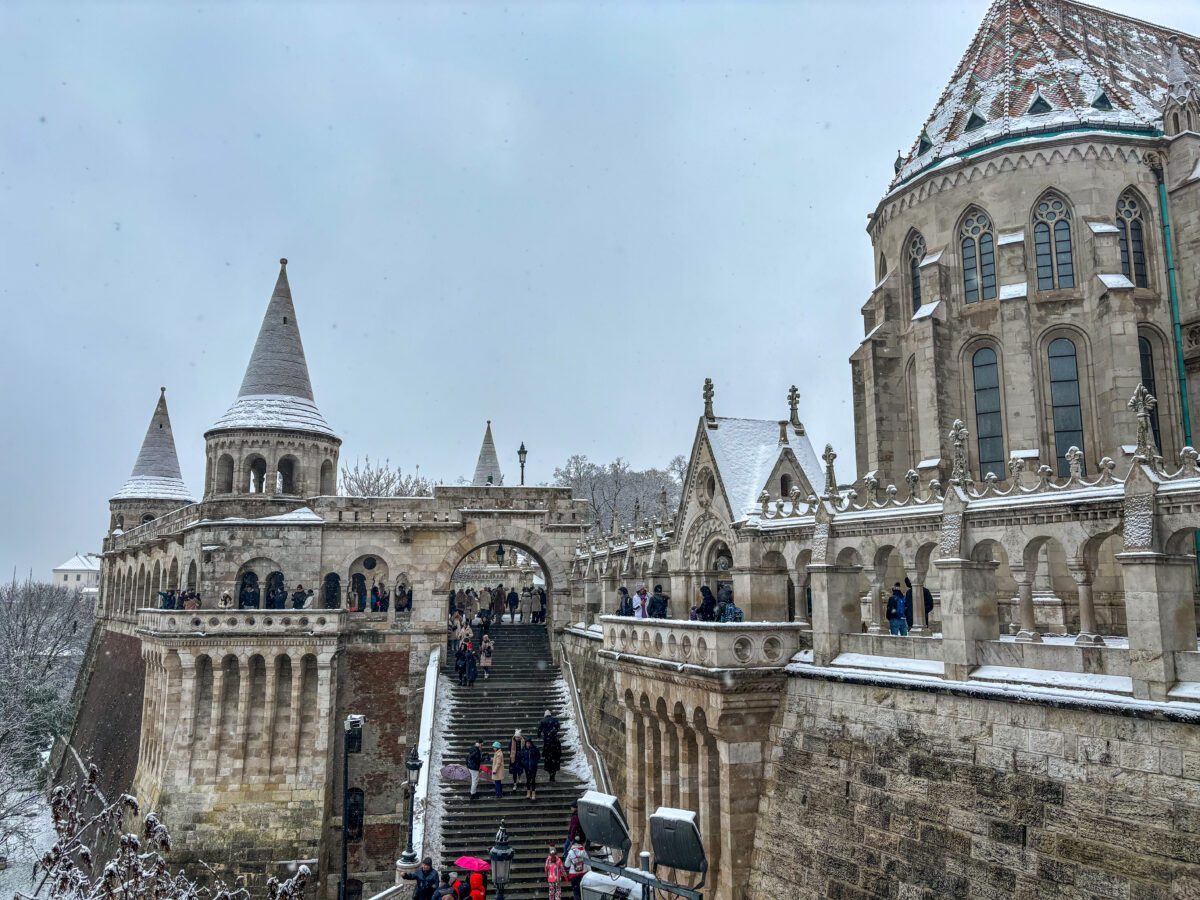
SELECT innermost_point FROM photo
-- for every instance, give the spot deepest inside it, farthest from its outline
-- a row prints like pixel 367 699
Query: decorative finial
pixel 1075 463
pixel 958 439
pixel 794 407
pixel 899 164
pixel 1142 403
pixel 829 456
pixel 283 260
pixel 708 401
pixel 783 438
pixel 162 390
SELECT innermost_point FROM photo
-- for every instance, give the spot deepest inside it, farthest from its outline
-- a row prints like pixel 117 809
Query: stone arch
pixel 328 479
pixel 254 473
pixel 156 580
pixel 287 475
pixel 1098 569
pixel 224 474
pixel 1045 561
pixel 173 575
pixel 481 533
pixel 192 576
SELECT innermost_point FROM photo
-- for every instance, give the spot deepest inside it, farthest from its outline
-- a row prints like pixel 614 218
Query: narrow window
pixel 916 253
pixel 978 257
pixel 1146 352
pixel 1131 238
pixel 1052 244
pixel 989 423
pixel 1066 408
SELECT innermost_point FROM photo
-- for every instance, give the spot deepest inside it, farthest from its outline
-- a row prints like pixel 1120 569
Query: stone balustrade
pixel 242 621
pixel 713 645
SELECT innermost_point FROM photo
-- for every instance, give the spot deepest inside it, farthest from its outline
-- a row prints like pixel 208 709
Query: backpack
pixel 734 614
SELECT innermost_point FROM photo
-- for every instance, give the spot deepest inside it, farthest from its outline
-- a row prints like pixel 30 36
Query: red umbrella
pixel 472 864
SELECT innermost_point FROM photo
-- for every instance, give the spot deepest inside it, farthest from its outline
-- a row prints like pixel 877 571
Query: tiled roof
pixel 1044 65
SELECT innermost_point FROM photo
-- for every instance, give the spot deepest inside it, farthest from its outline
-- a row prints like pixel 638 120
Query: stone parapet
pixel 714 645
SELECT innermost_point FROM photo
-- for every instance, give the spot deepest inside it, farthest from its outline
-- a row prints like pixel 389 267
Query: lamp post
pixel 521 454
pixel 501 856
pixel 413 766
pixel 351 743
pixel 500 555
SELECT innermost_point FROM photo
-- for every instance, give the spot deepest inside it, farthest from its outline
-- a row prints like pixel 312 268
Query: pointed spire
pixel 487 468
pixel 1179 80
pixel 276 391
pixel 156 474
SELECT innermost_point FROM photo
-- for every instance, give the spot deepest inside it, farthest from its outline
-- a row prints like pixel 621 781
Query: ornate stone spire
pixel 709 417
pixel 794 409
pixel 156 474
pixel 958 453
pixel 1181 84
pixel 1142 404
pixel 487 468
pixel 831 488
pixel 276 391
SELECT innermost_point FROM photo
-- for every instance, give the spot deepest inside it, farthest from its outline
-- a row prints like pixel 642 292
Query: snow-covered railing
pixel 425 750
pixel 185 623
pixel 713 645
pixel 167 524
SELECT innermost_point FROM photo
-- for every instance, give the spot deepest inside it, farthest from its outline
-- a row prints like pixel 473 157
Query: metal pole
pixel 345 808
pixel 645 859
pixel 409 851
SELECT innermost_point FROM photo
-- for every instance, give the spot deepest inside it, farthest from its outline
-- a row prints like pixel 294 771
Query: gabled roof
pixel 487 465
pixel 80 562
pixel 156 474
pixel 276 391
pixel 746 451
pixel 1090 67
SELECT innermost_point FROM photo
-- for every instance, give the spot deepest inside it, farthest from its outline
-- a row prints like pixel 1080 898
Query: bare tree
pixel 616 489
pixel 369 479
pixel 137 869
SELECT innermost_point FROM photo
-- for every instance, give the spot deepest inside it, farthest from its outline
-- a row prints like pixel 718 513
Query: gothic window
pixel 785 485
pixel 989 422
pixel 978 257
pixel 916 253
pixel 1065 403
pixel 1146 353
pixel 1133 248
pixel 1052 244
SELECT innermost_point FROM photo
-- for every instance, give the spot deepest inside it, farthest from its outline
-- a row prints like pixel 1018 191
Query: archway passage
pixel 506 578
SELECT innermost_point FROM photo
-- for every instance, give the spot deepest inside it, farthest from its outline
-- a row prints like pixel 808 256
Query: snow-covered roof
pixel 301 516
pixel 746 451
pixel 156 474
pixel 1048 65
pixel 80 562
pixel 276 391
pixel 488 465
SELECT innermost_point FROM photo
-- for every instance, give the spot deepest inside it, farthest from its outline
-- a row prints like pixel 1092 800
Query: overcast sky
pixel 561 217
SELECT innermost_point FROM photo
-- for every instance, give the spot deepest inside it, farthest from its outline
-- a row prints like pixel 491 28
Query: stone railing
pixel 171 523
pixel 713 645
pixel 243 621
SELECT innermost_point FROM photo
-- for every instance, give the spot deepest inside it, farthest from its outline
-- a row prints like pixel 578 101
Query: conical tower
pixel 273 439
pixel 155 486
pixel 487 468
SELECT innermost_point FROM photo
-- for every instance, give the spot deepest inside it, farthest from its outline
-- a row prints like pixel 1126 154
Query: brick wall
pixel 873 791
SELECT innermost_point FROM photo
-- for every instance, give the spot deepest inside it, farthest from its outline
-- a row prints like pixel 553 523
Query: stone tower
pixel 155 486
pixel 487 468
pixel 273 440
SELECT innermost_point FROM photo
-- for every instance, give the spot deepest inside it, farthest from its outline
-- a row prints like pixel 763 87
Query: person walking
pixel 426 877
pixel 551 755
pixel 445 891
pixel 531 758
pixel 577 866
pixel 908 596
pixel 707 611
pixel 556 874
pixel 548 726
pixel 474 761
pixel 498 769
pixel 641 603
pixel 486 649
pixel 514 600
pixel 460 665
pixel 624 604
pixel 472 665
pixel 897 612
pixel 515 743
pixel 658 603
pixel 542 603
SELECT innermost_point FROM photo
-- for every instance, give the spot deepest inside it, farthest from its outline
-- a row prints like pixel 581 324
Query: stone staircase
pixel 524 683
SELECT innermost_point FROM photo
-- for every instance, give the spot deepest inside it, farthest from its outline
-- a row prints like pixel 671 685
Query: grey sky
pixel 560 217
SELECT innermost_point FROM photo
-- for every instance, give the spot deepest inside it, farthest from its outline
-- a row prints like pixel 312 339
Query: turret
pixel 155 487
pixel 487 467
pixel 273 440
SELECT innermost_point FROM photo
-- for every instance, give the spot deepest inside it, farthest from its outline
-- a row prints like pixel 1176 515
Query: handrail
pixel 425 750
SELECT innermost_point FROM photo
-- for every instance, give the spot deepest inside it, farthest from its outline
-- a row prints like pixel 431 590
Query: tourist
pixel 226 601
pixel 658 603
pixel 577 866
pixel 298 597
pixel 574 829
pixel 458 887
pixel 351 599
pixel 527 604
pixel 474 761
pixel 426 877
pixel 908 596
pixel 515 743
pixel 707 611
pixel 445 891
pixel 453 602
pixel 551 755
pixel 897 611
pixel 548 725
pixel 514 600
pixel 486 650
pixel 556 874
pixel 478 891
pixel 624 604
pixel 472 665
pixel 641 603
pixel 531 758
pixel 460 664
pixel 498 769
pixel 383 598
pixel 476 628
pixel 310 599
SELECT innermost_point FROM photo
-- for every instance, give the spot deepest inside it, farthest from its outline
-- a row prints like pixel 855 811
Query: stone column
pixel 326 663
pixel 1028 632
pixel 653 773
pixel 1089 634
pixel 1161 617
pixel 968 612
pixel 670 761
pixel 710 771
pixel 218 665
pixel 635 781
pixel 187 709
pixel 920 623
pixel 1046 603
pixel 241 739
pixel 741 782
pixel 686 784
pixel 836 609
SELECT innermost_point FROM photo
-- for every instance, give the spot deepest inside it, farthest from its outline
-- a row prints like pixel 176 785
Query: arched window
pixel 224 483
pixel 989 421
pixel 883 269
pixel 1052 244
pixel 328 482
pixel 785 485
pixel 285 476
pixel 978 257
pixel 1065 404
pixel 1146 352
pixel 257 475
pixel 916 253
pixel 1133 248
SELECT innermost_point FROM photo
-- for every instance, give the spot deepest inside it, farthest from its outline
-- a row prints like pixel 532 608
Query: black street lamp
pixel 521 454
pixel 500 554
pixel 413 766
pixel 501 856
pixel 351 743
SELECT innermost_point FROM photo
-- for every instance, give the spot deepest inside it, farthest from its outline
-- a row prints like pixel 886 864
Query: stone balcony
pixel 236 622
pixel 711 645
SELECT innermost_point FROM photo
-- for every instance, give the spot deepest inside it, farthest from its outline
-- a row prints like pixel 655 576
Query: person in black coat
pixel 531 758
pixel 427 880
pixel 708 604
pixel 548 725
pixel 472 666
pixel 899 612
pixel 474 761
pixel 908 595
pixel 551 755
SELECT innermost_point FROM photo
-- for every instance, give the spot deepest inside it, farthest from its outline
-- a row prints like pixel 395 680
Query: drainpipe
pixel 1173 289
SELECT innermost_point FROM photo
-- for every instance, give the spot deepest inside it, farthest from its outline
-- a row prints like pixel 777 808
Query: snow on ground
pixel 434 808
pixel 19 874
pixel 578 764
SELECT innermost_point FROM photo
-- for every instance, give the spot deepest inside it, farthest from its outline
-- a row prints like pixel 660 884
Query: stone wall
pixel 601 705
pixel 877 790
